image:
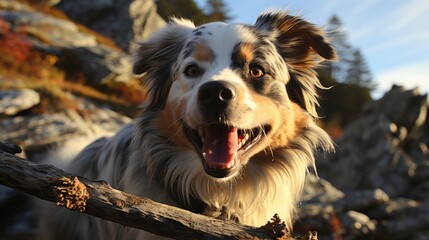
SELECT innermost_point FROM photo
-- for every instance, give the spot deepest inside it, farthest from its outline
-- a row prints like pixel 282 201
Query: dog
pixel 228 129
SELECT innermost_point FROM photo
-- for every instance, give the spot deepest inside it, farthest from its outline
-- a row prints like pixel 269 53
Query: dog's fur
pixel 208 88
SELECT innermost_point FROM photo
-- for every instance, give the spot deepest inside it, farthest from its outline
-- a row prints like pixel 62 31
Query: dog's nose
pixel 216 95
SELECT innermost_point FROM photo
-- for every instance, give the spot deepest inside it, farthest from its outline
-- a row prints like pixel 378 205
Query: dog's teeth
pixel 243 140
pixel 246 137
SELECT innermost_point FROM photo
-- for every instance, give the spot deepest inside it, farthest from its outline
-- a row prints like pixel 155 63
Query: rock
pixel 14 5
pixel 357 225
pixel 344 216
pixel 422 172
pixel 35 133
pixel 49 30
pixel 100 64
pixel 124 21
pixel 381 168
pixel 361 200
pixel 408 223
pixel 315 217
pixel 10 148
pixel 319 190
pixel 38 131
pixel 75 48
pixel 392 208
pixel 419 150
pixel 420 191
pixel 13 101
pixel 45 2
pixel 99 118
pixel 372 152
pixel 403 107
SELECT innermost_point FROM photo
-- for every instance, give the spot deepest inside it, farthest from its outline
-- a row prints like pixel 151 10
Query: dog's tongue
pixel 220 146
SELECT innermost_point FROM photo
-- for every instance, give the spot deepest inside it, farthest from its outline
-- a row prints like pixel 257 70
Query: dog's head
pixel 231 91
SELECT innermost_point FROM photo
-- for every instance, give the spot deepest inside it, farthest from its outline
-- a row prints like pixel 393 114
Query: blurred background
pixel 65 73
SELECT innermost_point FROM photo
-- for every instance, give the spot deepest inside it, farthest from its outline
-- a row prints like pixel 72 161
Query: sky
pixel 393 35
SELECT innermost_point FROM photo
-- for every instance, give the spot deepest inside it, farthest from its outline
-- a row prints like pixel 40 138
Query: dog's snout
pixel 216 99
pixel 216 94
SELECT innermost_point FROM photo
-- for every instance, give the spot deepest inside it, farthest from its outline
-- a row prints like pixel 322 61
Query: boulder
pixel 37 132
pixel 411 223
pixel 376 184
pixel 405 108
pixel 319 190
pixel 124 21
pixel 100 64
pixel 357 225
pixel 13 101
pixel 374 151
pixel 77 49
pixel 52 31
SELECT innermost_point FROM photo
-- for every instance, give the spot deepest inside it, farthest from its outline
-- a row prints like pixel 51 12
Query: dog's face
pixel 230 91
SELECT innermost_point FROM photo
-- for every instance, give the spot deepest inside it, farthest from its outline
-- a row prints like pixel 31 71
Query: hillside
pixel 65 75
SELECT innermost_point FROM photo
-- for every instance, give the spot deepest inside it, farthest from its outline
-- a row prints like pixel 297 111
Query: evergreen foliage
pixel 350 80
pixel 352 67
pixel 358 73
pixel 342 103
pixel 216 10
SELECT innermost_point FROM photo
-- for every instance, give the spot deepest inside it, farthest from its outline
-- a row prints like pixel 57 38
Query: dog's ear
pixel 303 47
pixel 156 56
pixel 301 43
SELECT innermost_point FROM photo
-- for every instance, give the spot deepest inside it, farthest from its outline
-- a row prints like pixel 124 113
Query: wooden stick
pixel 98 199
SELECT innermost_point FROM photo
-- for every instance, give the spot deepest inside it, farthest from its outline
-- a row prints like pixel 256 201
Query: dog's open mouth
pixel 221 146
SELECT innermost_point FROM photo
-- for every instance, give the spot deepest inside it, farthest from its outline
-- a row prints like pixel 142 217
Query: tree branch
pixel 98 199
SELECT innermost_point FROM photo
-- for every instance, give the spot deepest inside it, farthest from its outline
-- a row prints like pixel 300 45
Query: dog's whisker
pixel 173 123
pixel 269 143
pixel 173 136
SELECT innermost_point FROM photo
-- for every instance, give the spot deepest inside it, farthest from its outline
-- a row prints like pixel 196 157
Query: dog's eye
pixel 192 71
pixel 256 71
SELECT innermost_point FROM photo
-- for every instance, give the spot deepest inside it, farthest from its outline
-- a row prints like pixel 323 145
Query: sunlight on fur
pixel 228 129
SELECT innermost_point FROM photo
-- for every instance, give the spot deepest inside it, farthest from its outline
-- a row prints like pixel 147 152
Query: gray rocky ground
pixel 380 172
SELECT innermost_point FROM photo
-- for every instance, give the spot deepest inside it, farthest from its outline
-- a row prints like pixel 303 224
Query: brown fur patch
pixel 203 53
pixel 246 52
pixel 167 122
pixel 289 124
pixel 282 120
pixel 304 44
pixel 243 53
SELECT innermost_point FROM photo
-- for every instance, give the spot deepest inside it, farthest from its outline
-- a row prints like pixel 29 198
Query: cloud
pixel 407 15
pixel 361 8
pixel 410 76
pixel 414 40
pixel 373 19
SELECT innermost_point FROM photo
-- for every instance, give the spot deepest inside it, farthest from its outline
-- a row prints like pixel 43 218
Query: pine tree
pixel 350 77
pixel 338 37
pixel 217 11
pixel 181 8
pixel 352 67
pixel 358 72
